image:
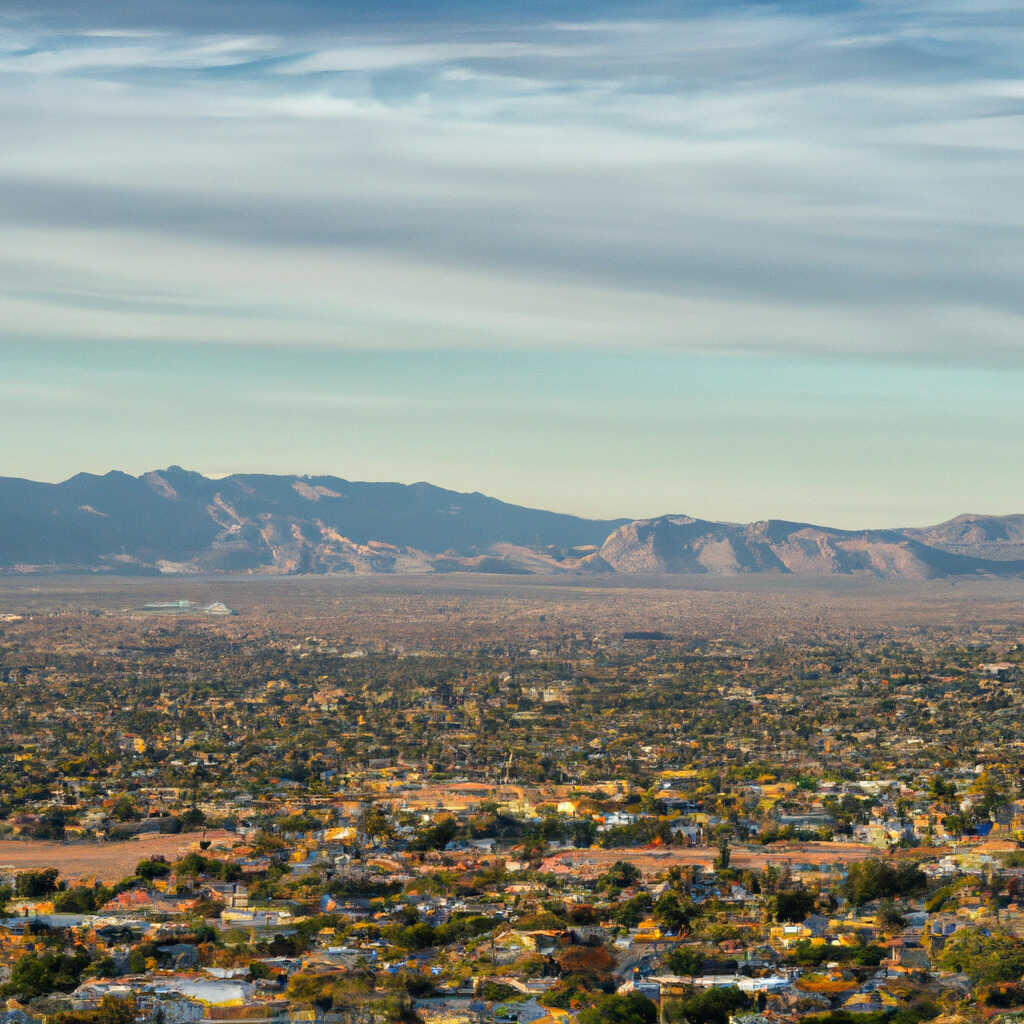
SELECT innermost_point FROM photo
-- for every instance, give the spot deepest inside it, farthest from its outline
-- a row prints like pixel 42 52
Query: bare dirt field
pixel 655 861
pixel 107 862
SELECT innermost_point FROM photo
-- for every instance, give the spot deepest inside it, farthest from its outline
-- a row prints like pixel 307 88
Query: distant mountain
pixel 679 544
pixel 176 521
pixel 990 537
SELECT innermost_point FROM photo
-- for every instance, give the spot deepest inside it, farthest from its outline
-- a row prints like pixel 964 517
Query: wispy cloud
pixel 843 180
pixel 375 57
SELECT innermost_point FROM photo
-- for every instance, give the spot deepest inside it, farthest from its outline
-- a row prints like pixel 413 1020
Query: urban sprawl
pixel 621 809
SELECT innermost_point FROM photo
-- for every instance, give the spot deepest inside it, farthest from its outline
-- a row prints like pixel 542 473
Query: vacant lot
pixel 107 862
pixel 594 862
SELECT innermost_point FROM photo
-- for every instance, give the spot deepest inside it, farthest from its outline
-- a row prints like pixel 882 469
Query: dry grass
pixel 106 862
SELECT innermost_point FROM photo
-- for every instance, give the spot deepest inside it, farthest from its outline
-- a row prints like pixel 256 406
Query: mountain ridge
pixel 177 521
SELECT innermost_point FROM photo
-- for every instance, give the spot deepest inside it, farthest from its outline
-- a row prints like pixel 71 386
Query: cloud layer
pixel 814 179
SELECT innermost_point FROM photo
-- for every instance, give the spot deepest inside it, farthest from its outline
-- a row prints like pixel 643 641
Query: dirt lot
pixel 108 862
pixel 653 862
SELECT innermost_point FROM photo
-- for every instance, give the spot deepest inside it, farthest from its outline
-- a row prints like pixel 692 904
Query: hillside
pixel 679 544
pixel 991 537
pixel 174 520
pixel 177 521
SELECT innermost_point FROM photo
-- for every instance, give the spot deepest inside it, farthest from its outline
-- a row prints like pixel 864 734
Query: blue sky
pixel 733 260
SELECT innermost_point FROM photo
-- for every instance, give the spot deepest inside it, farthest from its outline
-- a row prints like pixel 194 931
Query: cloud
pixel 842 180
pixel 372 57
pixel 121 51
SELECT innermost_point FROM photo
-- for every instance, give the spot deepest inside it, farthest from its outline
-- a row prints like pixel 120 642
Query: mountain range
pixel 176 521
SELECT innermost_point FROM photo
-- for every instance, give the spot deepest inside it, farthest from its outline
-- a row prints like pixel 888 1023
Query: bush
pixel 496 992
pixel 154 868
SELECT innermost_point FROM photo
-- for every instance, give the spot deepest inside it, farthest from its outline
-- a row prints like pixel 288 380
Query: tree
pixel 631 912
pixel 888 916
pixel 156 867
pixel 724 856
pixel 685 961
pixel 50 826
pixel 675 912
pixel 986 958
pixel 36 975
pixel 632 1008
pixel 874 879
pixel 192 864
pixel 938 788
pixel 79 900
pixel 110 1011
pixel 192 819
pixel 308 988
pixel 584 832
pixel 323 1002
pixel 591 960
pixel 376 826
pixel 792 905
pixel 713 1006
pixel 33 884
pixel 436 837
pixel 124 809
pixel 417 936
pixel 620 875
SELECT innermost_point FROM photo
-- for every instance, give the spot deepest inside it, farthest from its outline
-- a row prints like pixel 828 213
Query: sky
pixel 738 261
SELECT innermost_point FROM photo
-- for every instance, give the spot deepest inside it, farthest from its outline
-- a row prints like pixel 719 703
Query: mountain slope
pixel 673 544
pixel 177 521
pixel 990 537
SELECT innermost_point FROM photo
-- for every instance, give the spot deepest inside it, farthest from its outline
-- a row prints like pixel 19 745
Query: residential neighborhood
pixel 237 819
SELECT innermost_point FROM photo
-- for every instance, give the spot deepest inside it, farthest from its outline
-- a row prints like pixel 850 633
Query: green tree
pixel 632 1008
pixel 792 905
pixel 376 825
pixel 986 958
pixel 620 875
pixel 35 975
pixel 192 819
pixel 685 961
pixel 124 809
pixel 675 912
pixel 153 868
pixel 34 884
pixel 110 1011
pixel 712 1006
pixel 417 936
pixel 875 879
pixel 723 856
pixel 436 837
pixel 79 900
